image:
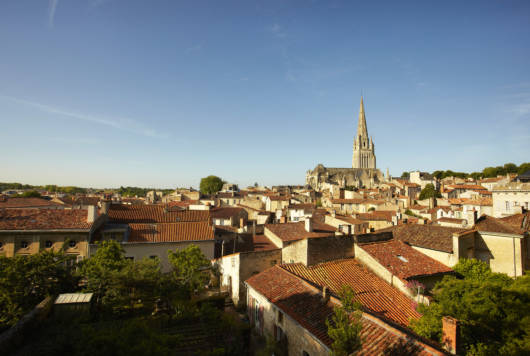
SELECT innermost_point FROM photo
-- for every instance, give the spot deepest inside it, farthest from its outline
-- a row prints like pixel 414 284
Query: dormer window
pixel 23 244
pixel 72 243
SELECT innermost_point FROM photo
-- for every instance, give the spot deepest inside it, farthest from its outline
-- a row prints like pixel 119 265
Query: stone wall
pixel 14 338
pixel 503 252
pixel 298 338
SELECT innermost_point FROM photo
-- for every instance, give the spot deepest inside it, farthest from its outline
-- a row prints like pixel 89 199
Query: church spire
pixel 361 127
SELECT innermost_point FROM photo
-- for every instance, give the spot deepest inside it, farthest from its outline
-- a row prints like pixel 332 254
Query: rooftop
pixel 18 202
pixel 403 260
pixel 372 292
pixel 296 231
pixel 303 303
pixel 433 237
pixel 119 213
pixel 171 232
pixel 44 219
pixel 515 224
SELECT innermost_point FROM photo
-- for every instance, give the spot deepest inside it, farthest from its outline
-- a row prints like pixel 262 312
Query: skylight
pixel 402 258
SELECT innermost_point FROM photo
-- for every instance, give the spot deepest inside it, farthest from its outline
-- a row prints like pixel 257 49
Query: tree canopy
pixel 493 310
pixel 190 268
pixel 211 185
pixel 26 280
pixel 429 192
pixel 488 172
pixel 344 327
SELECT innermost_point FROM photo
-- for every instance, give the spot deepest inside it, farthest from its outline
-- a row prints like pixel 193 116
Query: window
pixel 507 205
pixel 72 243
pixel 280 335
pixel 153 257
pixel 280 317
pixel 24 244
pixel 48 244
pixel 402 258
pixel 304 353
pixel 1 245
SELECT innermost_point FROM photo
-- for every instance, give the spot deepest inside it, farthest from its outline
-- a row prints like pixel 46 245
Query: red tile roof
pixel 225 212
pixel 11 203
pixel 433 237
pixel 467 187
pixel 171 232
pixel 372 292
pixel 296 231
pixel 119 213
pixel 357 201
pixel 303 303
pixel 258 242
pixel 418 265
pixel 515 224
pixel 43 219
pixel 377 215
pixel 451 220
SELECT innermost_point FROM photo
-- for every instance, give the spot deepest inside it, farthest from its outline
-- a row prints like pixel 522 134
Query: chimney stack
pixel 308 225
pixel 92 214
pixel 451 334
pixel 105 205
pixel 325 294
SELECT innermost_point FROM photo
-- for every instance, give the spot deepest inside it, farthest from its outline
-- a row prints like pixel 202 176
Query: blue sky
pixel 161 93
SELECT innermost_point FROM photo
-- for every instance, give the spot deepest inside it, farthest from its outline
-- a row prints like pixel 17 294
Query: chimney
pixel 105 205
pixel 308 225
pixel 92 214
pixel 325 294
pixel 451 334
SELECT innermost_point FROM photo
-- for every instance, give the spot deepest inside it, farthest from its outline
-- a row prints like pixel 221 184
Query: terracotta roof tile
pixel 225 212
pixel 11 203
pixel 43 219
pixel 171 232
pixel 427 236
pixel 372 292
pixel 515 224
pixel 416 265
pixel 379 215
pixel 304 304
pixel 296 231
pixel 124 214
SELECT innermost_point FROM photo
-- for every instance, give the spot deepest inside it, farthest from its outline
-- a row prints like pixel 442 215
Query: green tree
pixel 493 310
pixel 345 326
pixel 510 168
pixel 27 280
pixel 429 192
pixel 405 175
pixel 31 194
pixel 190 268
pixel 211 185
pixel 523 168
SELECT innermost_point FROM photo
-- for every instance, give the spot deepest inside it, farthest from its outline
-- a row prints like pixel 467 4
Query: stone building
pixel 363 172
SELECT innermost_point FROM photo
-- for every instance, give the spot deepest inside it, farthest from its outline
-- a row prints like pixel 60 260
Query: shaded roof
pixel 411 264
pixel 451 220
pixel 119 213
pixel 357 201
pixel 385 215
pixel 434 237
pixel 372 292
pixel 350 219
pixel 43 219
pixel 19 202
pixel 514 224
pixel 296 231
pixel 303 303
pixel 171 232
pixel 226 212
pixel 249 243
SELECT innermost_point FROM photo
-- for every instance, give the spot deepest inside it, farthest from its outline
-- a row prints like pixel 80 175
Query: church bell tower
pixel 363 146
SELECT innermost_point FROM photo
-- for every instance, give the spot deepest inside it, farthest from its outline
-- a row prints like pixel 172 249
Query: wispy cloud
pixel 277 30
pixel 123 124
pixel 193 48
pixel 52 7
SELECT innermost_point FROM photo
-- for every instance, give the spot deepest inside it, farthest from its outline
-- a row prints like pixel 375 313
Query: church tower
pixel 363 146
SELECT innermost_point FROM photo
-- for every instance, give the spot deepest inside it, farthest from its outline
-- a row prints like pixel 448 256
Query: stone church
pixel 363 173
